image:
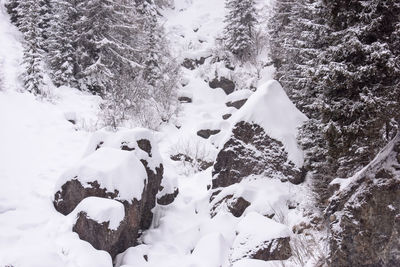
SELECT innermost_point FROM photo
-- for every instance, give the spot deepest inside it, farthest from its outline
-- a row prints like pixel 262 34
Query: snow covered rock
pixel 365 213
pixel 235 205
pixel 206 133
pixel 111 175
pixel 250 151
pixel 261 238
pixel 192 64
pixel 141 143
pixel 262 141
pixel 225 84
pixel 125 167
pixel 102 222
pixel 107 173
pixel 238 98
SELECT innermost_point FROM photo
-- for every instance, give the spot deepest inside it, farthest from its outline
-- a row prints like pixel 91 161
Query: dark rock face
pixel 168 198
pixel 185 99
pixel 192 64
pixel 365 216
pixel 226 116
pixel 207 133
pixel 235 205
pixel 113 241
pixel 236 104
pixel 251 151
pixel 72 193
pixel 227 85
pixel 275 249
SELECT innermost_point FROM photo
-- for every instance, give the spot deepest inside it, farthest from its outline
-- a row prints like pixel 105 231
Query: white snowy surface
pixel 113 169
pixel 101 210
pixel 272 109
pixel 239 95
pixel 128 137
pixel 37 145
pixel 10 52
pixel 254 230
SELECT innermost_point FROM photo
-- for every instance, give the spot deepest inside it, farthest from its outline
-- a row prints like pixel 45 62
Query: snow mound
pixel 113 169
pixel 101 210
pixel 239 95
pixel 210 251
pixel 128 138
pixel 254 230
pixel 272 109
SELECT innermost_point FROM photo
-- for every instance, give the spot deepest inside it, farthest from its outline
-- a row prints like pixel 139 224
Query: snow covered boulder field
pixel 125 168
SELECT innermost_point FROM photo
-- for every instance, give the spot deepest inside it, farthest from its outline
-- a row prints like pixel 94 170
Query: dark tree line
pixel 340 63
pixel 116 49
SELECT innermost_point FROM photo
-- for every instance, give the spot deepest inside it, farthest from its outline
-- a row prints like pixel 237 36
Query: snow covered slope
pixel 38 143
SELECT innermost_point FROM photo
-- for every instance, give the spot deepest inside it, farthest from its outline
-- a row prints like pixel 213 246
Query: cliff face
pixel 364 214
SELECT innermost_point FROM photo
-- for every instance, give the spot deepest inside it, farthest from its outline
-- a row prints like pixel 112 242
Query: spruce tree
pixel 33 43
pixel 239 30
pixel 62 49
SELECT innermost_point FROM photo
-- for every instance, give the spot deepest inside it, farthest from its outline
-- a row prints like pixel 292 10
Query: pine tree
pixel 62 51
pixel 359 73
pixel 33 43
pixel 239 30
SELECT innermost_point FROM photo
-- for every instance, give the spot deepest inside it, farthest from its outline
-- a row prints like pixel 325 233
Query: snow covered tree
pixel 239 30
pixel 33 45
pixel 12 10
pixel 62 50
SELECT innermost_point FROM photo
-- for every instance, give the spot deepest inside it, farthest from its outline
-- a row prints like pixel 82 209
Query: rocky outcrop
pixel 256 241
pixel 103 235
pixel 192 64
pixel 365 214
pixel 206 133
pixel 185 99
pixel 249 151
pixel 235 205
pixel 225 84
pixel 236 104
pixel 139 158
pixel 275 249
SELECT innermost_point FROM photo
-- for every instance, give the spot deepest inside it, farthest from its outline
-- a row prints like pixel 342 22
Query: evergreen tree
pixel 62 51
pixel 239 30
pixel 33 43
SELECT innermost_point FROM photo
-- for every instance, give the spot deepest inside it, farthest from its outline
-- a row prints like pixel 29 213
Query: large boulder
pixel 113 175
pixel 123 166
pixel 225 84
pixel 102 222
pixel 364 214
pixel 262 140
pixel 250 151
pixel 261 238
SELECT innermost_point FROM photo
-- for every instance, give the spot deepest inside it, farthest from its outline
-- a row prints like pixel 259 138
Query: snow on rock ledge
pixel 101 210
pixel 116 171
pixel 261 238
pixel 262 140
pixel 270 108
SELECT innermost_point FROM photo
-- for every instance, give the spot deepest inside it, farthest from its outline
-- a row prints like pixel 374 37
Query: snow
pixel 272 109
pixel 101 210
pixel 113 169
pixel 39 146
pixel 239 95
pixel 254 230
pixel 127 137
pixel 10 52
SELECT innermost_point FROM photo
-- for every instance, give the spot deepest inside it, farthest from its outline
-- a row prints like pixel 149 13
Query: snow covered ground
pixel 38 143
